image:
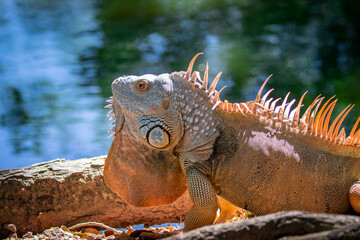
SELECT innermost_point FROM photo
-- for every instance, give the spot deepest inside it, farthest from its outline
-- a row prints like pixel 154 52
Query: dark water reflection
pixel 58 58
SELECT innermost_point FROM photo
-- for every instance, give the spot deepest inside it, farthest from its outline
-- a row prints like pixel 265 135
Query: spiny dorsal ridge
pixel 314 121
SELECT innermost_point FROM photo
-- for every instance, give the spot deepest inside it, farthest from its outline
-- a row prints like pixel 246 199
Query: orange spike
pixel 331 129
pixel 267 103
pixel 259 94
pixel 356 137
pixel 249 102
pixel 108 106
pixel 204 84
pixel 297 113
pixel 320 123
pixel 265 96
pixel 221 105
pixel 110 113
pixel 213 84
pixel 291 117
pixel 194 76
pixel 317 126
pixel 327 120
pixel 282 108
pixel 272 106
pixel 217 94
pixel 313 114
pixel 267 107
pixel 353 130
pixel 287 109
pixel 251 106
pixel 261 107
pixel 226 103
pixel 335 134
pixel 234 107
pixel 246 107
pixel 239 109
pixel 305 117
pixel 215 105
pixel 222 89
pixel 357 142
pixel 231 107
pixel 341 137
pixel 191 64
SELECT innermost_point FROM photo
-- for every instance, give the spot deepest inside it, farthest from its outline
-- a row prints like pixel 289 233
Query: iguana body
pixel 254 155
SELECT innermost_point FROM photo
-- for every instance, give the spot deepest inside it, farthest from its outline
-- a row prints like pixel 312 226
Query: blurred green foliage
pixel 306 45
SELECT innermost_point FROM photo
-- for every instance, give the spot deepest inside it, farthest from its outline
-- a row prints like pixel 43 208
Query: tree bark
pixel 61 192
pixel 292 225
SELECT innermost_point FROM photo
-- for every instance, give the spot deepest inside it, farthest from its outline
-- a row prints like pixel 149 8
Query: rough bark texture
pixel 63 192
pixel 283 225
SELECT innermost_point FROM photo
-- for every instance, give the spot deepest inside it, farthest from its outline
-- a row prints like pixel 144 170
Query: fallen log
pixel 293 225
pixel 64 192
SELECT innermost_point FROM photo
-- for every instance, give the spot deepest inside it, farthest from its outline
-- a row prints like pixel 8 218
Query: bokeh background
pixel 58 59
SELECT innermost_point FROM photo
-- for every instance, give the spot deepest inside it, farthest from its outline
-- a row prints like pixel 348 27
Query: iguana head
pixel 148 110
pixel 147 123
pixel 156 116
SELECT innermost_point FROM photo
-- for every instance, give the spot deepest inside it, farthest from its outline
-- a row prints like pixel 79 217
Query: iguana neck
pixel 201 124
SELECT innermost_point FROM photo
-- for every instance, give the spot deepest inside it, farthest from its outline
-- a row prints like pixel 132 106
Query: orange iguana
pixel 172 131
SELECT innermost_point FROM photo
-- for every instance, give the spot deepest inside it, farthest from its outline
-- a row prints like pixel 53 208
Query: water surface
pixel 58 59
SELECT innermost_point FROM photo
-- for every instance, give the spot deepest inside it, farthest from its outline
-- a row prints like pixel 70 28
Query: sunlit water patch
pixel 47 109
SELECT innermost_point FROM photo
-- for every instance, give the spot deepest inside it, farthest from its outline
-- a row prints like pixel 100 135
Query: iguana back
pixel 273 169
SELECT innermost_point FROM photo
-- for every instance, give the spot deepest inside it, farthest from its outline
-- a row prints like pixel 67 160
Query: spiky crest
pixel 314 122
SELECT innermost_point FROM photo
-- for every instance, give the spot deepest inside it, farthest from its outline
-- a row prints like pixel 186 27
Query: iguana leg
pixel 354 196
pixel 203 196
pixel 227 210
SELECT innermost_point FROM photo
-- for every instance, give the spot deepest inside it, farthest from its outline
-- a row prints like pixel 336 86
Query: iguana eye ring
pixel 142 85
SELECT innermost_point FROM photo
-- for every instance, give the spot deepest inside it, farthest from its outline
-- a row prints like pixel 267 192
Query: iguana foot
pixel 203 196
pixel 354 196
pixel 198 217
pixel 227 210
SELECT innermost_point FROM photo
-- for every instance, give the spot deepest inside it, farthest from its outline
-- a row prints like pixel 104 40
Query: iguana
pixel 173 131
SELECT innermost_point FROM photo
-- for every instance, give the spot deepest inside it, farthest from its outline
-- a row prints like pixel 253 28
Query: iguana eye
pixel 142 85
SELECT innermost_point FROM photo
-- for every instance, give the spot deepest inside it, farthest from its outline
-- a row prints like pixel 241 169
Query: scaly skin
pixel 171 129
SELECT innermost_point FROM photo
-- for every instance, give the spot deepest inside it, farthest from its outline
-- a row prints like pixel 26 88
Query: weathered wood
pixel 63 192
pixel 283 225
